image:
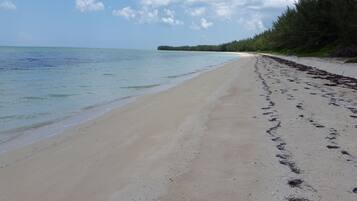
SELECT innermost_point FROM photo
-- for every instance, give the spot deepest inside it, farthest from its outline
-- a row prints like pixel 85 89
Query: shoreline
pixel 255 129
pixel 34 133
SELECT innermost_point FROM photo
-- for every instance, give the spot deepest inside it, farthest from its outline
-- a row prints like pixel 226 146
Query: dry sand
pixel 253 130
pixel 332 65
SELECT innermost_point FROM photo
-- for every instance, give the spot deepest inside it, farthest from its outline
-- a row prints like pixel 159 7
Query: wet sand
pixel 256 129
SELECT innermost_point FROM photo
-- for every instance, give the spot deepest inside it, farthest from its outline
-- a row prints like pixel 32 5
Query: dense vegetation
pixel 320 27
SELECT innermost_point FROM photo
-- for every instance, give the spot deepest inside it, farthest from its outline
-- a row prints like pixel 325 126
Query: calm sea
pixel 41 86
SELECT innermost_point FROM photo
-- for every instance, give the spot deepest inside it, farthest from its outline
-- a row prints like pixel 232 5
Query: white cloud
pixel 156 3
pixel 223 10
pixel 164 11
pixel 148 15
pixel 89 5
pixel 169 12
pixel 126 12
pixel 253 23
pixel 278 3
pixel 171 21
pixel 197 11
pixel 7 5
pixel 226 8
pixel 205 24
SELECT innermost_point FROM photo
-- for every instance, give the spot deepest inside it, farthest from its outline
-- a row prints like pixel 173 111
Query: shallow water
pixel 39 86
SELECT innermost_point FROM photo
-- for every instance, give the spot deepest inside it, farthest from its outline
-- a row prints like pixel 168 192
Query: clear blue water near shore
pixel 41 86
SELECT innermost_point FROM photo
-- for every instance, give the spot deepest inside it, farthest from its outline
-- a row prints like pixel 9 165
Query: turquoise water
pixel 39 86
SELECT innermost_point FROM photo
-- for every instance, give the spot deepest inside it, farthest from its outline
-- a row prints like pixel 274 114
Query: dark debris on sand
pixel 295 183
pixel 354 190
pixel 332 147
pixel 296 199
pixel 336 80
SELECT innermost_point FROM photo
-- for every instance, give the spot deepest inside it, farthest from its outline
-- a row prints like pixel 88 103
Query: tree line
pixel 321 27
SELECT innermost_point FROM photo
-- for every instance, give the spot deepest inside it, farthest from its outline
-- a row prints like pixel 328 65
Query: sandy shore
pixel 331 65
pixel 257 129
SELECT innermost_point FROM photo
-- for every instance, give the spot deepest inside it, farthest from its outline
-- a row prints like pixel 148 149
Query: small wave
pixel 34 98
pixel 141 86
pixel 107 102
pixel 8 117
pixel 184 74
pixel 32 59
pixel 14 133
pixel 60 95
pixel 90 107
pixel 23 116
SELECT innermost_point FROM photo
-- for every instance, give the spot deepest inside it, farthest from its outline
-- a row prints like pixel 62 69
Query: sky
pixel 133 24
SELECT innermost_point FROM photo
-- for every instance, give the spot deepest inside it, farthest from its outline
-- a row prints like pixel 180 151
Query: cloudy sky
pixel 134 24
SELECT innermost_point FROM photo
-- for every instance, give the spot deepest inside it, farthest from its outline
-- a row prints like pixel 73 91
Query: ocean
pixel 40 87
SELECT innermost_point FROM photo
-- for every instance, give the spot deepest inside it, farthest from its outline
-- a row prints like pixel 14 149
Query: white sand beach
pixel 252 130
